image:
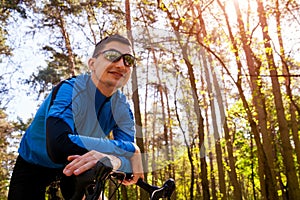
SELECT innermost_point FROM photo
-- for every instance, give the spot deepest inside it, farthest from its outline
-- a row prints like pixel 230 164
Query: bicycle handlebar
pixel 91 183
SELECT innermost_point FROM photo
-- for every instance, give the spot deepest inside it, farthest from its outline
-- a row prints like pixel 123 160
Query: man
pixel 70 129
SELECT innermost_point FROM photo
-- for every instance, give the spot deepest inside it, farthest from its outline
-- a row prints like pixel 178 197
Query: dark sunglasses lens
pixel 115 56
pixel 129 60
pixel 112 56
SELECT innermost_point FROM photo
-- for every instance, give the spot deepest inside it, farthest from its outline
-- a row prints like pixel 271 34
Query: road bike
pixel 91 184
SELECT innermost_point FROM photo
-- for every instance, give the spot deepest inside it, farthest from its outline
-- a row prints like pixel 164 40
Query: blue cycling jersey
pixel 90 115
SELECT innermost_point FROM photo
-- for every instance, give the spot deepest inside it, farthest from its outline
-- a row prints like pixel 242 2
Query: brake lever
pixel 165 191
pixel 155 192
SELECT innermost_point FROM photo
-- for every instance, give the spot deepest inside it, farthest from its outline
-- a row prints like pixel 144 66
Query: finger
pixel 70 158
pixel 137 176
pixel 76 162
pixel 72 163
pixel 127 182
pixel 84 167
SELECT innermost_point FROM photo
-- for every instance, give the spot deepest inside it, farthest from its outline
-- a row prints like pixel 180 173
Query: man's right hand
pixel 79 164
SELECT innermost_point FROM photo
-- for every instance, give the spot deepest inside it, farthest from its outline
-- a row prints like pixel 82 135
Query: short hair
pixel 100 45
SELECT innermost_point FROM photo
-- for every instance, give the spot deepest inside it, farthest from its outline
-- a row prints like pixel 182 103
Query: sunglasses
pixel 115 56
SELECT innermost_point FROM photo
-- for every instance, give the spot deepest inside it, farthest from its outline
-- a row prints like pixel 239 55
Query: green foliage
pixel 58 18
pixel 58 68
pixel 10 5
pixel 4 49
pixel 10 133
pixel 6 158
pixel 5 9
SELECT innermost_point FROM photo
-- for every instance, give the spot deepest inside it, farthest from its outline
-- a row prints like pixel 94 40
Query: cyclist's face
pixel 108 76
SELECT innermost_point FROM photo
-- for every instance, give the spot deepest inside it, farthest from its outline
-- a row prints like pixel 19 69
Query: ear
pixel 91 64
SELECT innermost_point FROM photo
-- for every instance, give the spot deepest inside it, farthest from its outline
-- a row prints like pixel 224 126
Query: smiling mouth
pixel 117 74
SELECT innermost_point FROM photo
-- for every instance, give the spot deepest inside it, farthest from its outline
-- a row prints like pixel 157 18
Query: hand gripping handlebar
pixel 92 182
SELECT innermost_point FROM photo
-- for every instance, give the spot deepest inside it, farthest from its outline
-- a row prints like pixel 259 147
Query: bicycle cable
pixel 117 187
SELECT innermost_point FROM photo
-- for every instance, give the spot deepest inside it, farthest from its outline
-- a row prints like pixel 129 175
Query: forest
pixel 214 92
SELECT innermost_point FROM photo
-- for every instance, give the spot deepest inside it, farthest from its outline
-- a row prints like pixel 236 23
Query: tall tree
pixel 292 178
pixel 287 75
pixel 211 89
pixel 260 107
pixel 176 25
pixel 6 158
pixel 135 97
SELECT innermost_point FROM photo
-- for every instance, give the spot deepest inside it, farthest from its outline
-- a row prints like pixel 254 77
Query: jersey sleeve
pixel 59 124
pixel 59 146
pixel 124 130
pixel 103 145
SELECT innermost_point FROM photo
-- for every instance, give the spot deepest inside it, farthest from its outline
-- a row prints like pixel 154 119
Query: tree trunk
pixel 154 145
pixel 111 192
pixel 171 168
pixel 188 146
pixel 211 77
pixel 286 73
pixel 124 192
pixel 292 178
pixel 260 108
pixel 263 167
pixel 65 34
pixel 210 154
pixel 203 164
pixel 200 124
pixel 135 98
pixel 214 124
